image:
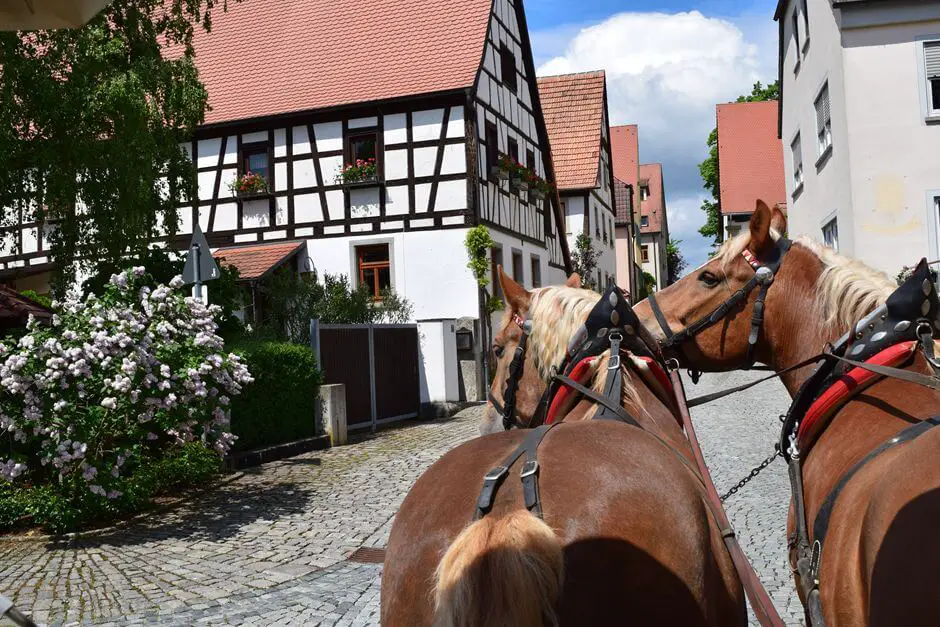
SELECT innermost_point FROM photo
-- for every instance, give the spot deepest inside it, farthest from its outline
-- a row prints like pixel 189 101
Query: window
pixel 604 224
pixel 645 253
pixel 255 159
pixel 644 192
pixel 517 275
pixel 831 234
pixel 492 148
pixel 796 149
pixel 536 271
pixel 796 37
pixel 644 221
pixel 496 257
pixel 823 123
pixel 597 225
pixel 361 147
pixel 513 149
pixel 507 67
pixel 375 271
pixel 932 64
pixel 805 24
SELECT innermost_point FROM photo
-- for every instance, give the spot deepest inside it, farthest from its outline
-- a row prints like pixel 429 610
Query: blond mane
pixel 846 290
pixel 557 312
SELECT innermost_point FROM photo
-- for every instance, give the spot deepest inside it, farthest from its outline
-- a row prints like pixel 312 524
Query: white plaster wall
pixel 429 268
pixel 826 189
pixel 895 154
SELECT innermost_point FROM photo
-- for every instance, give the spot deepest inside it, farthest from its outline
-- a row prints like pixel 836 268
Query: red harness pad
pixel 659 373
pixel 565 394
pixel 852 382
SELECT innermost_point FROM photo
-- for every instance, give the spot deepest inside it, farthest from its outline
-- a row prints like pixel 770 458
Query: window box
pixel 368 181
pixel 362 171
pixel 536 194
pixel 518 183
pixel 249 185
pixel 498 172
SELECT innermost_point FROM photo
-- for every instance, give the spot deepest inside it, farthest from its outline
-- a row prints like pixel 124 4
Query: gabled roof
pixel 750 156
pixel 654 207
pixel 256 261
pixel 622 198
pixel 573 106
pixel 625 154
pixel 270 57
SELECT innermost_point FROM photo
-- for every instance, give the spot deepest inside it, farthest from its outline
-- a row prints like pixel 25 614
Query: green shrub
pixel 66 506
pixel 279 406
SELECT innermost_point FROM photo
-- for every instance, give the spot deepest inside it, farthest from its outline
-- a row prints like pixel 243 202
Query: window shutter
pixel 932 58
pixel 797 153
pixel 822 109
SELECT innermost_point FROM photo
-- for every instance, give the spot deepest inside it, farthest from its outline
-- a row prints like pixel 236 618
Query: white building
pixel 860 125
pixel 654 225
pixel 575 109
pixel 434 93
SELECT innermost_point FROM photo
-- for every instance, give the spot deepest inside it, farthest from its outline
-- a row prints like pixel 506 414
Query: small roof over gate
pixel 16 308
pixel 256 261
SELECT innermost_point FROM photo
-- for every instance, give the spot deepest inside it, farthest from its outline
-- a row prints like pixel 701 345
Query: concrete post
pixel 333 399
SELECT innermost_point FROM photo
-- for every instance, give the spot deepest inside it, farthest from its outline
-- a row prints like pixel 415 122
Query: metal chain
pixel 756 471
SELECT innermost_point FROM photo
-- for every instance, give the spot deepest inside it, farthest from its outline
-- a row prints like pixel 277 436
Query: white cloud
pixel 666 72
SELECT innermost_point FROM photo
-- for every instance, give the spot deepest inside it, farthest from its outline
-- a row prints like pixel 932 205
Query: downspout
pixel 473 201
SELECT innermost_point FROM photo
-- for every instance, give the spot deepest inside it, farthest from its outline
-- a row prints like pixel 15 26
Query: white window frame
pixel 823 131
pixel 795 32
pixel 805 12
pixel 830 227
pixel 933 222
pixel 929 113
pixel 796 153
pixel 644 192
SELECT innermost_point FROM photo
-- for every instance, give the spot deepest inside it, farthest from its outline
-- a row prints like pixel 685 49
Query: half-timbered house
pixel 426 96
pixel 575 107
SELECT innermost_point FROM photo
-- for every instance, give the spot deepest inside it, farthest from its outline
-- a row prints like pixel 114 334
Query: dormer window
pixel 507 67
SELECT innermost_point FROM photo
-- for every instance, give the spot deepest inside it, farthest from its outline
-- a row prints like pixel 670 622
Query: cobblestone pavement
pixel 271 548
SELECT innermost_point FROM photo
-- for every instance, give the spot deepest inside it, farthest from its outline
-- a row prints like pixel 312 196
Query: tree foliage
pixel 675 262
pixel 709 167
pixel 91 124
pixel 585 260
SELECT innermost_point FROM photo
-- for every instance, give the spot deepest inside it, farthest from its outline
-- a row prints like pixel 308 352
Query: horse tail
pixel 500 571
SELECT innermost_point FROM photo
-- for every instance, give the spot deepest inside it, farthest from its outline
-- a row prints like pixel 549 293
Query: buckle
pixel 672 364
pixel 496 474
pixel 614 363
pixel 529 468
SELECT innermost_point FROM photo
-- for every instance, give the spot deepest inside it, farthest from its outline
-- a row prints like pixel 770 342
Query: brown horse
pixel 626 537
pixel 880 558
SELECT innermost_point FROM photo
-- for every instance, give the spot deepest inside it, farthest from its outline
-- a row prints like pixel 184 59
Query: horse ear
pixel 516 295
pixel 574 280
pixel 760 229
pixel 778 221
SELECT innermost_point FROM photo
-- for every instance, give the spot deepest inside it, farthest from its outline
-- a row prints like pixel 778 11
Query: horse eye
pixel 709 279
pixel 498 351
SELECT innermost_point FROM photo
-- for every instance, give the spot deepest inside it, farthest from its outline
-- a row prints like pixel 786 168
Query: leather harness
pixel 912 312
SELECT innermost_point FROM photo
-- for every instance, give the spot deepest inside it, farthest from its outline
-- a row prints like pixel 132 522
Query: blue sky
pixel 668 64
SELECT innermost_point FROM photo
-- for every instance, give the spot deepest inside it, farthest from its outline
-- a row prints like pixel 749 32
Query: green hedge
pixel 279 405
pixel 60 507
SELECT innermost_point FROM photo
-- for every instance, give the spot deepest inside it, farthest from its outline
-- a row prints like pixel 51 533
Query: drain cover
pixel 367 555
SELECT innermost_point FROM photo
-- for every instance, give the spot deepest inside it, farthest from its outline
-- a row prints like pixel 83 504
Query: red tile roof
pixel 256 260
pixel 654 207
pixel 573 105
pixel 750 156
pixel 625 151
pixel 622 198
pixel 268 57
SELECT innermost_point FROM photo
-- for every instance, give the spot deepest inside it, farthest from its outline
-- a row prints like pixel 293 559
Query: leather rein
pixel 764 273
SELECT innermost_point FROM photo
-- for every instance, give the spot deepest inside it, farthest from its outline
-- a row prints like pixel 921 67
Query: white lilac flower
pixel 109 403
pixel 89 472
pixel 119 279
pixel 113 494
pixel 10 470
pixel 96 489
pixel 138 271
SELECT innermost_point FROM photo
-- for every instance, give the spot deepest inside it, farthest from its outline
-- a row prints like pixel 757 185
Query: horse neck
pixel 793 332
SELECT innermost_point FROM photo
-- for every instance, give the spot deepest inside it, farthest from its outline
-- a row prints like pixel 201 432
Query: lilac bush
pixel 114 380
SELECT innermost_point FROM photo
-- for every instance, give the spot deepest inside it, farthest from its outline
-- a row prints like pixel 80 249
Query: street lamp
pixel 48 14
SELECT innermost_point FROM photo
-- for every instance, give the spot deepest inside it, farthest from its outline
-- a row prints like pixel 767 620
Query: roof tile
pixel 573 106
pixel 750 156
pixel 254 261
pixel 270 57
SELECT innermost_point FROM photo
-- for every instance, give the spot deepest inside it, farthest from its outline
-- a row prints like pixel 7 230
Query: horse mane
pixel 846 290
pixel 557 312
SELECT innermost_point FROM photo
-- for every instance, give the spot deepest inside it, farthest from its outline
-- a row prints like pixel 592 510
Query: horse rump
pixel 500 571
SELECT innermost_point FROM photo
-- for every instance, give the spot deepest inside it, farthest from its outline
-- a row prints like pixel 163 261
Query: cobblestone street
pixel 272 547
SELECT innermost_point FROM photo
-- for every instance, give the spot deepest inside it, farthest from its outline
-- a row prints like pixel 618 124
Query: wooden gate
pixel 378 364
